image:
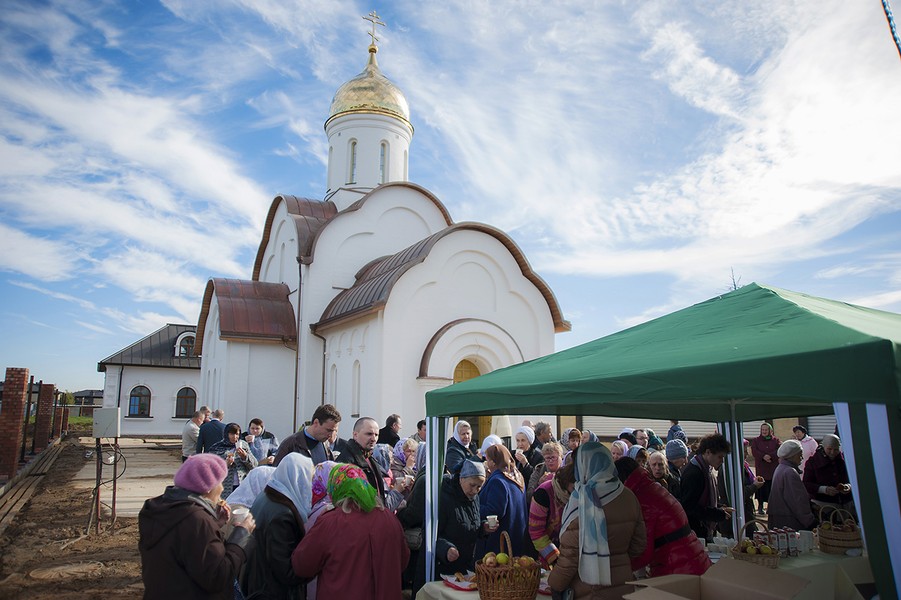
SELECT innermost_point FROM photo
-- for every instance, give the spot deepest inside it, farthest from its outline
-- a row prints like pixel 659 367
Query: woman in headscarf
pixel 552 453
pixel 639 455
pixel 503 496
pixel 322 503
pixel 654 441
pixel 237 455
pixel 280 512
pixel 403 461
pixel 490 440
pixel 573 438
pixel 672 547
pixel 602 529
pixel 184 551
pixel 764 448
pixel 251 487
pixel 619 449
pixel 588 436
pixel 659 470
pixel 526 455
pixel 789 503
pixel 460 447
pixel 546 512
pixel 460 523
pixel 358 549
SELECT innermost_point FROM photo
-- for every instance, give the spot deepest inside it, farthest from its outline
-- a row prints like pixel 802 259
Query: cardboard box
pixel 727 579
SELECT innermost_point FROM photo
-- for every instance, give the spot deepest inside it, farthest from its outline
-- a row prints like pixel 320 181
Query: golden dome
pixel 370 92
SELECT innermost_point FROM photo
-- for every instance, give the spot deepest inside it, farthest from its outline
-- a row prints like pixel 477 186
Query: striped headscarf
pixel 596 485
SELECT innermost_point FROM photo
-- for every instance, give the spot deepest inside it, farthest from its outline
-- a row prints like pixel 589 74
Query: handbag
pixel 414 537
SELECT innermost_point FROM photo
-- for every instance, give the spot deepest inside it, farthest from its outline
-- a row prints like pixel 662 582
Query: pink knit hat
pixel 201 473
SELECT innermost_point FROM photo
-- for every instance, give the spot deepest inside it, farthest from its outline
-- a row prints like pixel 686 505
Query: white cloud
pixel 38 257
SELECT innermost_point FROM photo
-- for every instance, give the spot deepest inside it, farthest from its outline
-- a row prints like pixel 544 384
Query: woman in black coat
pixel 459 523
pixel 460 447
pixel 280 512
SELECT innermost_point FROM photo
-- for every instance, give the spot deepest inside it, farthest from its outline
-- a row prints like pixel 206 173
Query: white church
pixel 366 299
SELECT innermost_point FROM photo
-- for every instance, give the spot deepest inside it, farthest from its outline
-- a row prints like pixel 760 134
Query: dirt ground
pixel 33 560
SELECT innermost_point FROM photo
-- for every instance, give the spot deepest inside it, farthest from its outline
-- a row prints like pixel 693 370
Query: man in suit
pixel 211 432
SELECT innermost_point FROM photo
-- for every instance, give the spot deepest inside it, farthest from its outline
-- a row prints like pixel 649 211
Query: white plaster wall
pixel 267 391
pixel 280 257
pixel 163 385
pixel 369 131
pixel 467 275
pixel 390 220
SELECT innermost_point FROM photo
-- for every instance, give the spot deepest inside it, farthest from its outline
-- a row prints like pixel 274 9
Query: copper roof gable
pixel 374 281
pixel 249 311
pixel 309 217
pixel 155 350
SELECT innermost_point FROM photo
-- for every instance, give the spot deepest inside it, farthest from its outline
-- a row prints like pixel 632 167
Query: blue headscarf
pixel 596 485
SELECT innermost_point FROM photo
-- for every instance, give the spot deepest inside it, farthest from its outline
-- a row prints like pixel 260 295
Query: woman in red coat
pixel 357 549
pixel 764 448
pixel 672 546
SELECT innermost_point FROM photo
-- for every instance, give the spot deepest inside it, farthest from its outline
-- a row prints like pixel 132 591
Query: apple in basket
pixel 525 561
pixel 502 558
pixel 490 559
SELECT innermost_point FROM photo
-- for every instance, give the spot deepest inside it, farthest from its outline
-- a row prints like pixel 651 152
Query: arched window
pixel 352 164
pixel 355 392
pixel 139 402
pixel 186 347
pixel 383 162
pixel 185 403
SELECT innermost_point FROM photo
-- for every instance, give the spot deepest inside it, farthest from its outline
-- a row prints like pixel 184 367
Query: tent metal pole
pixel 431 488
pixel 737 462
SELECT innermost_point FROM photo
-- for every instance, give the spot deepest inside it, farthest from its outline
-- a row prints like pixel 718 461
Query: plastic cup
pixel 239 514
pixel 492 521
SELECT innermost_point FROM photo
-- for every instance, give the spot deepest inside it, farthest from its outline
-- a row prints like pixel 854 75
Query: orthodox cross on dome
pixel 373 18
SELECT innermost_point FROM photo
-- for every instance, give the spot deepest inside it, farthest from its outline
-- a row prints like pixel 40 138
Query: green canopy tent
pixel 754 353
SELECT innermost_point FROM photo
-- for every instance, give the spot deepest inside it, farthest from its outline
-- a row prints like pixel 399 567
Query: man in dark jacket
pixel 358 451
pixel 211 432
pixel 390 433
pixel 698 494
pixel 312 440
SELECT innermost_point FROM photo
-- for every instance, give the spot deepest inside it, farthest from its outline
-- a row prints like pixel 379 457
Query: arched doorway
pixel 481 426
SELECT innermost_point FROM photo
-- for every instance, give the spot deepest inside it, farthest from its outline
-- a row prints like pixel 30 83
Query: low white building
pixel 155 381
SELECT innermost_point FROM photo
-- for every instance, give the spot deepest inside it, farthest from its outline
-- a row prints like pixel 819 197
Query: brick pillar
pixel 57 421
pixel 65 426
pixel 12 415
pixel 44 418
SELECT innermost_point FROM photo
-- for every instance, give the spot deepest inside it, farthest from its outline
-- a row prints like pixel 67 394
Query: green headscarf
pixel 349 481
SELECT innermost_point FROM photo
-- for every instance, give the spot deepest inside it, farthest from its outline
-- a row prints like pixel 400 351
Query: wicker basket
pixel 770 561
pixel 838 542
pixel 507 582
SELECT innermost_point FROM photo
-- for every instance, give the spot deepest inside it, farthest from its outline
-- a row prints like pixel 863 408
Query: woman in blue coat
pixel 503 496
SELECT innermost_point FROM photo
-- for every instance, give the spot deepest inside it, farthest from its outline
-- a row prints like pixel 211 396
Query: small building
pixel 154 381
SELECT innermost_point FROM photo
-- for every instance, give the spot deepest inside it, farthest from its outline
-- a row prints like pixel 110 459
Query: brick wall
pixel 44 417
pixel 57 421
pixel 15 387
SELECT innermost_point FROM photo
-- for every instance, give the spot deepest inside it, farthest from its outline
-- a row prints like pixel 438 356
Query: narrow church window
pixel 185 403
pixel 383 162
pixel 406 177
pixel 352 171
pixel 355 393
pixel 139 402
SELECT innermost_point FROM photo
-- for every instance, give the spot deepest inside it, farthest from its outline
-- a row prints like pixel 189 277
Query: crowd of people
pixel 316 516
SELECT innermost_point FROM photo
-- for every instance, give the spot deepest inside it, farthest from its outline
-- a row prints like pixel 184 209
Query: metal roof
pixel 155 350
pixel 249 311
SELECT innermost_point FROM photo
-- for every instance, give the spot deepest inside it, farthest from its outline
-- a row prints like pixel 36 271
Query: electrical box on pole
pixel 106 422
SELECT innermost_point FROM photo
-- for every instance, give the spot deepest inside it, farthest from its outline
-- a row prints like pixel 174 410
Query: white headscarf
pixel 596 485
pixel 251 487
pixel 293 479
pixel 528 432
pixel 457 427
pixel 489 441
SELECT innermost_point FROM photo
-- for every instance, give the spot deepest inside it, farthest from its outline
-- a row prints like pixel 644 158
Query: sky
pixel 645 156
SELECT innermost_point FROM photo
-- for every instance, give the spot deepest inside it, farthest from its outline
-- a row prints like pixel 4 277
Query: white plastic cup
pixel 492 521
pixel 239 514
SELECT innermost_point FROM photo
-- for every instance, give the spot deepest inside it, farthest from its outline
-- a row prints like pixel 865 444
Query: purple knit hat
pixel 201 473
